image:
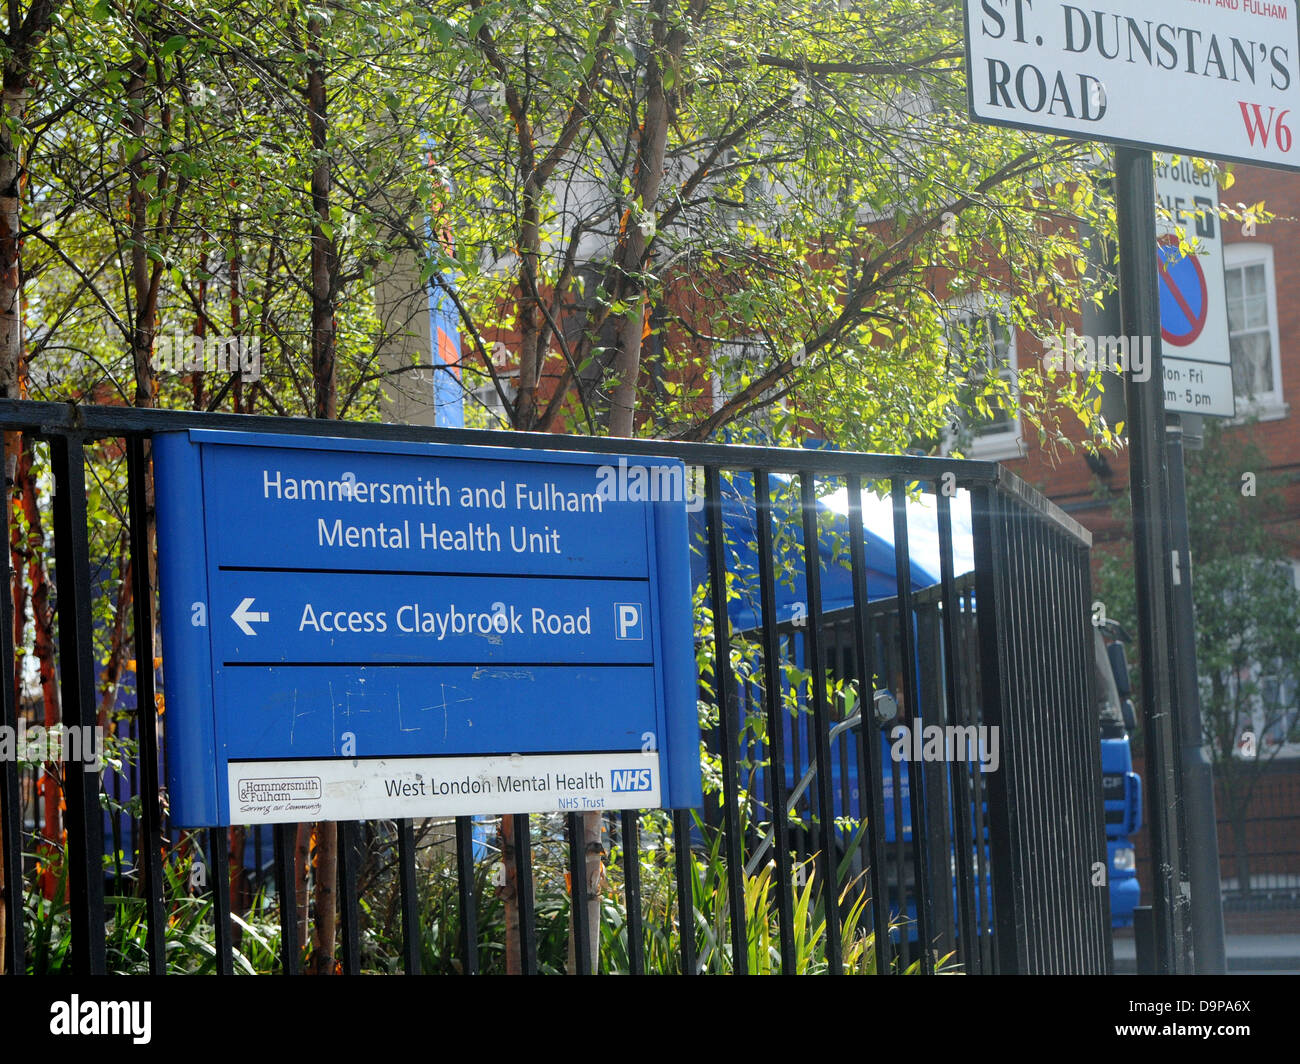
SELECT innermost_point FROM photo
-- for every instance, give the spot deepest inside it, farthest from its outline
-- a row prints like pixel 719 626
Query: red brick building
pixel 1263 281
pixel 1262 276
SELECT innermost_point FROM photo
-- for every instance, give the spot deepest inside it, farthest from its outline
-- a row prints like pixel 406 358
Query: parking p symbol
pixel 628 620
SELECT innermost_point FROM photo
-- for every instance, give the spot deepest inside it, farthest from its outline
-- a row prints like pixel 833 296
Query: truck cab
pixel 1121 786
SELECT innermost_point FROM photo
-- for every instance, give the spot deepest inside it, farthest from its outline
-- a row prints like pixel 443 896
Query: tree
pixel 799 176
pixel 704 171
pixel 1247 617
pixel 25 31
pixel 1248 620
pixel 630 187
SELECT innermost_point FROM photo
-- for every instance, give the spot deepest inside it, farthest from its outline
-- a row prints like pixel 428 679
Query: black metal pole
pixel 290 952
pixel 1144 941
pixel 1198 773
pixel 466 897
pixel 84 817
pixel 1152 547
pixel 142 609
pixel 728 721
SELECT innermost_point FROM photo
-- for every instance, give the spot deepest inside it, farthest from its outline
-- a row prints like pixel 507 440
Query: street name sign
pixel 358 630
pixel 1193 298
pixel 1214 78
pixel 1211 78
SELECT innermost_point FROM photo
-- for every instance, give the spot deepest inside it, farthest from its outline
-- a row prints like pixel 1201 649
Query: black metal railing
pixel 1259 856
pixel 990 871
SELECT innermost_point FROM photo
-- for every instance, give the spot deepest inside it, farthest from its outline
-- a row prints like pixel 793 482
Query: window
pixel 912 115
pixel 981 344
pixel 1279 691
pixel 484 408
pixel 1252 329
pixel 1264 704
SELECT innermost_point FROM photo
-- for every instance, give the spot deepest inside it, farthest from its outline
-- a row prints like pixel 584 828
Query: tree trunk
pixel 43 627
pixel 143 324
pixel 18 592
pixel 324 270
pixel 638 231
pixel 531 354
pixel 301 864
pixel 508 892
pixel 24 32
pixel 116 646
pixel 11 326
pixel 324 266
pixel 593 842
pixel 11 342
pixel 243 404
pixel 199 379
pixel 17 563
pixel 633 260
pixel 327 877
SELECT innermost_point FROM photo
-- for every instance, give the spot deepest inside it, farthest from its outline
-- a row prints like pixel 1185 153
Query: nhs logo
pixel 630 779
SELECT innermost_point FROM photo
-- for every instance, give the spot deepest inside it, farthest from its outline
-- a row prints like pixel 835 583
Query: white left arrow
pixel 243 615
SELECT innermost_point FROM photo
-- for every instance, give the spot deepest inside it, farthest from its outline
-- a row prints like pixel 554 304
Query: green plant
pixel 191 947
pixel 189 936
pixel 710 907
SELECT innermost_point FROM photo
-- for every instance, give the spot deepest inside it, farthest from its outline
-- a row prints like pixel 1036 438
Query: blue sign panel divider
pixel 358 629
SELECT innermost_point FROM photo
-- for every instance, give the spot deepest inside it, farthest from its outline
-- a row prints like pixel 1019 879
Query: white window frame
pixel 1007 442
pixel 1291 749
pixel 488 400
pixel 1271 406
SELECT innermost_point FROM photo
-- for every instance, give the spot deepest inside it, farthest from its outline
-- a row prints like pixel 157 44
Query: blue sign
pixel 1184 295
pixel 359 630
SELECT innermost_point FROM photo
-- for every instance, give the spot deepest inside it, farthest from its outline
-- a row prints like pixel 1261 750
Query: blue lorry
pixel 1121 786
pixel 1122 790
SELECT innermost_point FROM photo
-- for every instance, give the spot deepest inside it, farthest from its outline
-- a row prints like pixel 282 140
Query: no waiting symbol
pixel 1184 296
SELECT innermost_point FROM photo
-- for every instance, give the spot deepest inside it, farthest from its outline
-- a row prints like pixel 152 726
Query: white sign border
pixel 1141 145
